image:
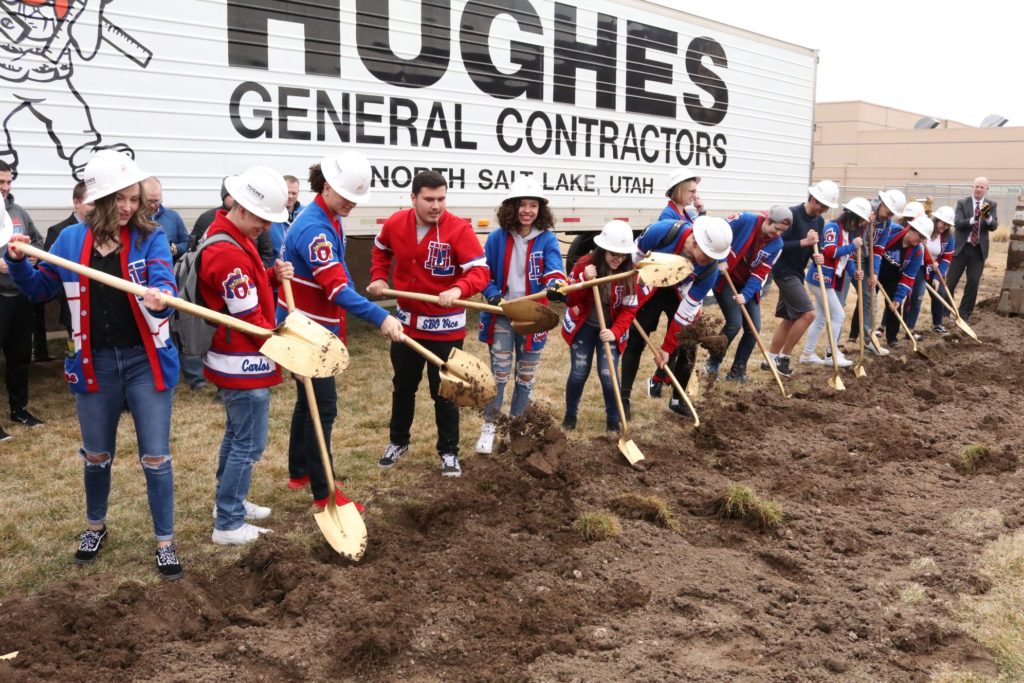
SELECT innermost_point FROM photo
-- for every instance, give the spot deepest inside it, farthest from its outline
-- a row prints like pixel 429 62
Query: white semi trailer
pixel 599 99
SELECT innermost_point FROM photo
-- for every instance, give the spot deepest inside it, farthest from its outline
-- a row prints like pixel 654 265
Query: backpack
pixel 195 335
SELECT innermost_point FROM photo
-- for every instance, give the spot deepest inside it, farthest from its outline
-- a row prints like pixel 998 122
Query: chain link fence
pixel 1005 196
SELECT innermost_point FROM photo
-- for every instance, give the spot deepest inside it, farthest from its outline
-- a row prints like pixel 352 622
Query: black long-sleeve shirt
pixel 793 260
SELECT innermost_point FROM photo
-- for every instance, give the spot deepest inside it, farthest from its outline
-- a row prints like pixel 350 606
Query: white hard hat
pixel 616 237
pixel 348 174
pixel 913 209
pixel 859 206
pixel 946 214
pixel 108 172
pixel 826 192
pixel 262 191
pixel 677 176
pixel 894 200
pixel 923 225
pixel 526 187
pixel 713 235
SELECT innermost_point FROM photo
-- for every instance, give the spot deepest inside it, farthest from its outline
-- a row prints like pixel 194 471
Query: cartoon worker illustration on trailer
pixel 39 41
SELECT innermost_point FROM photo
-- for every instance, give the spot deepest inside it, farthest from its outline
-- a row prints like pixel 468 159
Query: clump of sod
pixel 971 457
pixel 648 508
pixel 597 526
pixel 740 502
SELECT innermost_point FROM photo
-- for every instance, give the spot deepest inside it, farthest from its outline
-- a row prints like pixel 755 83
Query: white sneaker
pixel 253 511
pixel 812 358
pixel 880 351
pixel 842 361
pixel 247 533
pixel 485 444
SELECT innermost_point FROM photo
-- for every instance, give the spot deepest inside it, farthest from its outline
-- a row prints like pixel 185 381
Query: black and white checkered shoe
pixel 167 563
pixel 90 542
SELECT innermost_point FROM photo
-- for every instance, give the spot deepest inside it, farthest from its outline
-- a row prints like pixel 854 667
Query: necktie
pixel 976 226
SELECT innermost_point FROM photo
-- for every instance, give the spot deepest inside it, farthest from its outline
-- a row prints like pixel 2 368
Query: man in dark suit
pixel 975 219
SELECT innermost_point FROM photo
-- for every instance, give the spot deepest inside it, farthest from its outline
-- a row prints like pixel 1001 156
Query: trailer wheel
pixel 583 244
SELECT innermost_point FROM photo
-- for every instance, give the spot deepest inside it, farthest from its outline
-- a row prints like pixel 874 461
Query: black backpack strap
pixel 671 235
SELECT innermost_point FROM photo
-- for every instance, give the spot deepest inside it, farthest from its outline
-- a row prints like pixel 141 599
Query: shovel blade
pixel 962 324
pixel 306 348
pixel 630 450
pixel 343 528
pixel 530 317
pixel 859 371
pixel 466 380
pixel 836 382
pixel 663 270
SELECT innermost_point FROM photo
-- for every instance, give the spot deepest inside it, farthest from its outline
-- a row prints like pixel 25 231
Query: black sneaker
pixel 612 427
pixel 26 418
pixel 654 387
pixel 736 376
pixel 627 407
pixel 940 329
pixel 391 455
pixel 167 563
pixel 782 365
pixel 892 343
pixel 89 544
pixel 4 436
pixel 450 465
pixel 677 405
pixel 569 423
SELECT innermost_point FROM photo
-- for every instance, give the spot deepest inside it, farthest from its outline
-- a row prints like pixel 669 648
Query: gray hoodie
pixel 22 223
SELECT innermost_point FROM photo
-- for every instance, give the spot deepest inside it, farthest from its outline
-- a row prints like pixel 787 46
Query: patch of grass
pixel 740 502
pixel 912 594
pixel 1000 234
pixel 947 674
pixel 971 457
pixel 648 508
pixel 996 618
pixel 597 526
pixel 488 486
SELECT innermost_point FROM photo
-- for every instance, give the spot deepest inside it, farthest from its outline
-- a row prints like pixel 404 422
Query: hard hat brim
pixel 813 191
pixel 236 190
pixel 134 178
pixel 668 192
pixel 615 249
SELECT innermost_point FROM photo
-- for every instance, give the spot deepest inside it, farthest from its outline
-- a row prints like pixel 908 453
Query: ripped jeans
pixel 124 377
pixel 581 356
pixel 505 343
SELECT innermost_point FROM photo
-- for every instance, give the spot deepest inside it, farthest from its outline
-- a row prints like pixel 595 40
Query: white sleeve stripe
pixel 337 289
pixel 380 245
pixel 475 263
pixel 321 269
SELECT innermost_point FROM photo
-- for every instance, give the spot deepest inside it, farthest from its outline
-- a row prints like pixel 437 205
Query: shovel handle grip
pixel 433 299
pixel 139 290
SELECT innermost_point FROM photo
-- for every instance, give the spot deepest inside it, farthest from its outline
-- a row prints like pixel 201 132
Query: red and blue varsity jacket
pixel 237 279
pixel 836 249
pixel 623 306
pixel 907 259
pixel 448 256
pixel 147 264
pixel 544 266
pixel 745 229
pixel 946 249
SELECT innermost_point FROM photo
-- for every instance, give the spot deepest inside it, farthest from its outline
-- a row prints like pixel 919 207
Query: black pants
pixel 39 332
pixel 685 359
pixel 303 448
pixel 971 260
pixel 665 300
pixel 889 280
pixel 408 367
pixel 16 342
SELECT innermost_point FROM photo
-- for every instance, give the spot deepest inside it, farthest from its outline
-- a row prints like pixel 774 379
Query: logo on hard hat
pixel 254 191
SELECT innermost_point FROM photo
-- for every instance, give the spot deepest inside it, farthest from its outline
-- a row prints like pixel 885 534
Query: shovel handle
pixel 903 324
pixel 433 298
pixel 422 350
pixel 139 290
pixel 828 314
pixel 945 288
pixel 942 299
pixel 581 285
pixel 757 335
pixel 860 305
pixel 314 412
pixel 671 375
pixel 611 365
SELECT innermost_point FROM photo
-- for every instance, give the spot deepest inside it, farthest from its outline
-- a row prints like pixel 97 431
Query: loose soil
pixel 484 579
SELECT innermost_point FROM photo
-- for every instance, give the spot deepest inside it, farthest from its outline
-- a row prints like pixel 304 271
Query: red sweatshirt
pixel 449 256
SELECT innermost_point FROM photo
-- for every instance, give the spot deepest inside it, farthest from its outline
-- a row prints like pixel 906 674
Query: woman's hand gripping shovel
pixel 343 527
pixel 757 336
pixel 526 317
pixel 298 344
pixel 836 382
pixel 626 445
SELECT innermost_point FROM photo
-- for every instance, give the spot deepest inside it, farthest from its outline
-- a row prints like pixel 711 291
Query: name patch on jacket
pixel 439 259
pixel 320 250
pixel 238 292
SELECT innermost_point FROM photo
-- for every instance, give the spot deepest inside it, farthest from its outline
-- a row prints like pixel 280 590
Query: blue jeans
pixel 916 299
pixel 581 356
pixel 733 322
pixel 192 369
pixel 938 310
pixel 245 437
pixel 505 342
pixel 124 376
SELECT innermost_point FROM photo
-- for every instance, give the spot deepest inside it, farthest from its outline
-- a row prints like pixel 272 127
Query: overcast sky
pixel 908 55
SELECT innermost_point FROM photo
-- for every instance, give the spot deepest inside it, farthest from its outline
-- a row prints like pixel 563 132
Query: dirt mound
pixel 484 578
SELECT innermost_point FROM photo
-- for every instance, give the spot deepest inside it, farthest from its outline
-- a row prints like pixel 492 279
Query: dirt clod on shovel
pixel 704 331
